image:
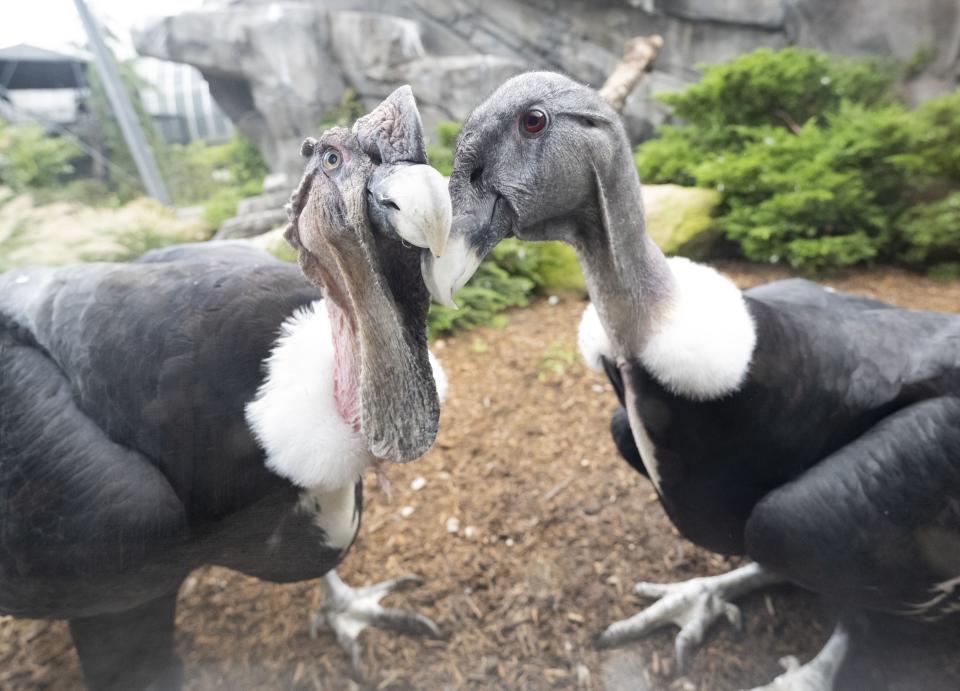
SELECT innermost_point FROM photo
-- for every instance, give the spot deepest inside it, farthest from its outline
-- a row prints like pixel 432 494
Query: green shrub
pixel 936 137
pixel 441 151
pixel 193 173
pixel 814 159
pixel 199 172
pixel 931 232
pixel 491 290
pixel 347 110
pixel 551 266
pixel 32 160
pixel 223 203
pixel 768 87
pixel 509 277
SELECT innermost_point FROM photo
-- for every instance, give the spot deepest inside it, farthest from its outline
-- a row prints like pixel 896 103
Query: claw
pixel 817 675
pixel 692 605
pixel 348 611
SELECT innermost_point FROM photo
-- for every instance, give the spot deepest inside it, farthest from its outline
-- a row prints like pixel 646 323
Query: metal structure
pixel 122 108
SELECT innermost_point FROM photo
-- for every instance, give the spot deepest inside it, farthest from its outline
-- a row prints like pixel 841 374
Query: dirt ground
pixel 554 529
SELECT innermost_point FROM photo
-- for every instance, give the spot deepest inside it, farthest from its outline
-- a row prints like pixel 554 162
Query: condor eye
pixel 533 122
pixel 331 159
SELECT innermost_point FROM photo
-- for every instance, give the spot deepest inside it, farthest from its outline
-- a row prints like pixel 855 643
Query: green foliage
pixel 348 109
pixel 816 163
pixel 491 291
pixel 197 171
pixel 222 204
pixel 193 173
pixel 556 361
pixel 931 232
pixel 32 160
pixel 768 87
pixel 550 266
pixel 440 153
pixel 508 277
pixel 935 129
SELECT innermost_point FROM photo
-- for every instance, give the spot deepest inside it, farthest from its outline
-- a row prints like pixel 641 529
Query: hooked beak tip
pixel 437 246
pixel 422 212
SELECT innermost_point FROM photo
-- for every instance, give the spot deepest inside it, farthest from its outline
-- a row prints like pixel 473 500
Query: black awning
pixel 29 67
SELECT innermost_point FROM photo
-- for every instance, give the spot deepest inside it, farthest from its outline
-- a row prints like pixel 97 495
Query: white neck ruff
pixel 294 416
pixel 702 345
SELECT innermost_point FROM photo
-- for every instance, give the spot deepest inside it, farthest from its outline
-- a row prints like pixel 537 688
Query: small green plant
pixel 440 153
pixel 347 110
pixel 490 292
pixel 32 160
pixel 222 204
pixel 512 273
pixel 931 232
pixel 559 358
pixel 786 87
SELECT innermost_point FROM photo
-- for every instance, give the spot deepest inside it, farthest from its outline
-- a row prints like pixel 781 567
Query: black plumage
pixel 837 463
pixel 125 459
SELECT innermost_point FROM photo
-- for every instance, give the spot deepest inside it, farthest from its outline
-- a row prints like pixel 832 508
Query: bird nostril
pixel 475 175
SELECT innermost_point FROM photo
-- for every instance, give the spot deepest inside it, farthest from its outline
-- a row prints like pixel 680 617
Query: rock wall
pixel 277 67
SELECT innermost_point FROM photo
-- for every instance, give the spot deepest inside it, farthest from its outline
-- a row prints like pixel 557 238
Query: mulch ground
pixel 554 529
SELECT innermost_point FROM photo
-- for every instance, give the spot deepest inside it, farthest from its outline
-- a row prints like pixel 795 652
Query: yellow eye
pixel 331 159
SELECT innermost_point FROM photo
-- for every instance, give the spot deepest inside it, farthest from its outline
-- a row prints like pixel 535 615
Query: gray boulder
pixel 278 67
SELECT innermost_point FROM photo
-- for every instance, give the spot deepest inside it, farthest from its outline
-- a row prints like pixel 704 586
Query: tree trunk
pixel 636 61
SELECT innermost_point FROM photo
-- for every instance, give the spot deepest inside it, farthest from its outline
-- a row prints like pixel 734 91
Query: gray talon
pixel 692 605
pixel 348 611
pixel 817 675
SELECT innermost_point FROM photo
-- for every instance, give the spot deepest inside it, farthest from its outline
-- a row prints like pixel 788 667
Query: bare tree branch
pixel 636 61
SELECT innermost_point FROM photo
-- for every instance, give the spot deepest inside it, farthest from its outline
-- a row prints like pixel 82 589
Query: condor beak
pixel 448 273
pixel 415 202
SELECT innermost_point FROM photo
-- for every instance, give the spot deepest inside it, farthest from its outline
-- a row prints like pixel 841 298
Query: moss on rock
pixel 680 219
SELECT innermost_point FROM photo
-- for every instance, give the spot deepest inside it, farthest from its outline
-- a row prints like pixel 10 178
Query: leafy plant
pixel 348 109
pixel 555 362
pixel 815 160
pixel 785 87
pixel 511 274
pixel 32 160
pixel 440 153
pixel 490 292
pixel 931 232
pixel 193 173
pixel 222 204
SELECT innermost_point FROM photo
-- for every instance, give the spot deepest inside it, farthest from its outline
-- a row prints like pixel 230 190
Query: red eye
pixel 533 121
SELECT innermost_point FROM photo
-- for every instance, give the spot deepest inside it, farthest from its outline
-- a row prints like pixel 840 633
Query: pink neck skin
pixel 346 384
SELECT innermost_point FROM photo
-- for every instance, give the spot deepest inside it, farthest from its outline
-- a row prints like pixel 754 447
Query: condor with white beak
pixel 209 404
pixel 814 432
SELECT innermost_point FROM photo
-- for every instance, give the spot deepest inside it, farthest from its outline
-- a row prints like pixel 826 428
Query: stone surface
pixel 680 219
pixel 278 67
pixel 268 201
pixel 251 224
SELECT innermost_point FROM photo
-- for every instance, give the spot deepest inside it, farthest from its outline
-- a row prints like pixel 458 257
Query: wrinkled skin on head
pixel 352 240
pixel 545 158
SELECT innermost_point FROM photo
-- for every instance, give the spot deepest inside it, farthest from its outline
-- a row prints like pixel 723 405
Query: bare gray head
pixel 366 193
pixel 545 158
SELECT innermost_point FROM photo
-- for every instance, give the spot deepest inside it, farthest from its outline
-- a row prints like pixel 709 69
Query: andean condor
pixel 814 432
pixel 208 404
